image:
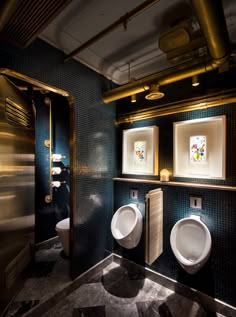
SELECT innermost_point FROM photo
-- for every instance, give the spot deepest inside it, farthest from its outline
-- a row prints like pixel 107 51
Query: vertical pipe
pixel 210 15
pixel 48 198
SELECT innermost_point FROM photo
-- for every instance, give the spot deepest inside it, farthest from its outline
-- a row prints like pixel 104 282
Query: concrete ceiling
pixel 131 52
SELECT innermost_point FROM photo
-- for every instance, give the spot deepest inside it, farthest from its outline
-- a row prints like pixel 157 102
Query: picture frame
pixel 200 148
pixel 140 151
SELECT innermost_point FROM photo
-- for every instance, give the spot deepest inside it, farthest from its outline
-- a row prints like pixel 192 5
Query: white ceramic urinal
pixel 63 231
pixel 126 226
pixel 190 240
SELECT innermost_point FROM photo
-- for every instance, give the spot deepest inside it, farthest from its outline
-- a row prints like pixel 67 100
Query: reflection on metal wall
pixel 17 146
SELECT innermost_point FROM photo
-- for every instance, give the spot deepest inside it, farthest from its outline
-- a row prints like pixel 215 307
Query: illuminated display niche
pixel 199 148
pixel 140 151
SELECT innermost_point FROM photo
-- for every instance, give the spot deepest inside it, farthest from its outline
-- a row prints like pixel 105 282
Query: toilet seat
pixel 63 224
pixel 63 231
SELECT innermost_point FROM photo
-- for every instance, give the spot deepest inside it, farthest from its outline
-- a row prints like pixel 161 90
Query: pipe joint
pixel 219 61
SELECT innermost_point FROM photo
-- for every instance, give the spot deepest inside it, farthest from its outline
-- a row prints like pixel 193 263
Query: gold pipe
pixel 49 197
pixel 196 70
pixel 212 100
pixel 210 15
pixel 162 78
pixel 213 25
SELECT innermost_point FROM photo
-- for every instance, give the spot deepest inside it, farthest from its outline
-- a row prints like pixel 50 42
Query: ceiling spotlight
pixel 154 93
pixel 195 80
pixel 133 98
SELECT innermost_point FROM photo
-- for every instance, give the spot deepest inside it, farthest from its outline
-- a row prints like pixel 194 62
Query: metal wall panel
pixel 17 183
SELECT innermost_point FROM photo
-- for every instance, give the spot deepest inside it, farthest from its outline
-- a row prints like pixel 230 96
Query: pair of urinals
pixel 190 238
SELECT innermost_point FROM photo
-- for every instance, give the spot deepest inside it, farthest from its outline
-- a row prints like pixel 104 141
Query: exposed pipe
pixel 217 41
pixel 121 21
pixel 210 15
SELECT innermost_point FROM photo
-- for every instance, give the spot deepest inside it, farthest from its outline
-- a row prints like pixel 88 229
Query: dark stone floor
pixel 115 292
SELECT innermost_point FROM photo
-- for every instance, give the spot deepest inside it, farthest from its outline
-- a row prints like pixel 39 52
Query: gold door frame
pixel 39 85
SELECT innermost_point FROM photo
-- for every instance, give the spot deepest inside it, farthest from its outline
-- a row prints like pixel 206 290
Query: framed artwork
pixel 140 151
pixel 199 148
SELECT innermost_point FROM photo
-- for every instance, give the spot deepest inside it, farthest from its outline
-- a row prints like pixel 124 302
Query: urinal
pixel 126 226
pixel 190 241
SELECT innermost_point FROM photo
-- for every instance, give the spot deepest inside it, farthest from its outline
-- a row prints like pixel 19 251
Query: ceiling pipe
pixel 121 21
pixel 210 16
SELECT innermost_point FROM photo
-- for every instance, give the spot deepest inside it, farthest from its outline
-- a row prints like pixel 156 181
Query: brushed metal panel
pixel 17 182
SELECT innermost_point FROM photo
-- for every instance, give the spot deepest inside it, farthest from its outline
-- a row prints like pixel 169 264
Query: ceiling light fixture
pixel 195 81
pixel 133 98
pixel 154 93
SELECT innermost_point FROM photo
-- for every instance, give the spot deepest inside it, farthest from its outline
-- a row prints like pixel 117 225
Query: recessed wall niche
pixel 140 151
pixel 199 148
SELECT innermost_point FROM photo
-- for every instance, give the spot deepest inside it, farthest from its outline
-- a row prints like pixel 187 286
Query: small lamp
pixel 164 175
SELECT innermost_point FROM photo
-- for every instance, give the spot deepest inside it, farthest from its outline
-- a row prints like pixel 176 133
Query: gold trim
pixel 35 82
pixel 49 198
pixel 211 100
pixel 180 184
pixel 71 102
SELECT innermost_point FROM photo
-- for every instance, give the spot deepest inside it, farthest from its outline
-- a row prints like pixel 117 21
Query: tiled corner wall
pixel 217 278
pixel 95 144
pixel 48 214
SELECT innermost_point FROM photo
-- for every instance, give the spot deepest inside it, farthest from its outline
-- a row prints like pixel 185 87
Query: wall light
pixel 195 80
pixel 133 98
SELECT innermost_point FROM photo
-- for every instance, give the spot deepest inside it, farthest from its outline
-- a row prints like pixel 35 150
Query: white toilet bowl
pixel 190 241
pixel 126 226
pixel 63 229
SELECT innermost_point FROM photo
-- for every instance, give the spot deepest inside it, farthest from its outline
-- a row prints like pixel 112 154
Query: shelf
pixel 180 184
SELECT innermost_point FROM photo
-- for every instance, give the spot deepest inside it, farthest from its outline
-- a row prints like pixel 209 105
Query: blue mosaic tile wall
pixel 95 144
pixel 48 214
pixel 218 277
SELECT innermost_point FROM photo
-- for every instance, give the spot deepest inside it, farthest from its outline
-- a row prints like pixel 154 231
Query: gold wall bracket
pixel 47 143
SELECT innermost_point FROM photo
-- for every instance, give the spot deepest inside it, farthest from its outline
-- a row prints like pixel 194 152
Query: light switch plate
pixel 195 202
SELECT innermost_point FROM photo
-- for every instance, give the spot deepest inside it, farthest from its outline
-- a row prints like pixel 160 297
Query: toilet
pixel 126 226
pixel 63 229
pixel 190 241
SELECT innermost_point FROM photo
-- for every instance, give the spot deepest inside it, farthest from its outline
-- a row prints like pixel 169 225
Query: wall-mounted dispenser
pixel 57 157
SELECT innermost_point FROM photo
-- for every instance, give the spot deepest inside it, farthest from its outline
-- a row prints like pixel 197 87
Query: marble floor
pixel 48 275
pixel 114 292
pixel 119 293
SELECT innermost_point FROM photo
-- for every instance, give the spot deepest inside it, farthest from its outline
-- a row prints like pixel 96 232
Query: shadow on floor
pixel 122 283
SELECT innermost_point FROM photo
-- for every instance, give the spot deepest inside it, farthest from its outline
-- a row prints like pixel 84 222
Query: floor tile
pixel 40 269
pixel 127 310
pixel 114 292
pixel 19 308
pixel 174 307
pixel 97 311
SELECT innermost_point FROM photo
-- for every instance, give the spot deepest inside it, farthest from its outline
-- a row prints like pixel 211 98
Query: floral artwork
pixel 140 151
pixel 198 148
